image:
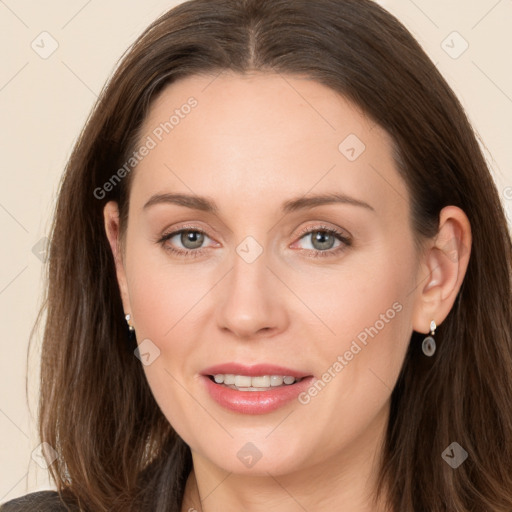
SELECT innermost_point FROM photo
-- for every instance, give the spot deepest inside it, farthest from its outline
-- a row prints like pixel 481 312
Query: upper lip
pixel 253 370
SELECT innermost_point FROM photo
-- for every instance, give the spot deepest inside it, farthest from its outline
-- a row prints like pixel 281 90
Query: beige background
pixel 44 103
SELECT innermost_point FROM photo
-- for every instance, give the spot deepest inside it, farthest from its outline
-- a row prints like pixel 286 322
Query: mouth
pixel 256 389
pixel 254 383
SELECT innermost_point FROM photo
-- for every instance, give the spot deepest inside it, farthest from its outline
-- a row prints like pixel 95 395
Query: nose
pixel 251 300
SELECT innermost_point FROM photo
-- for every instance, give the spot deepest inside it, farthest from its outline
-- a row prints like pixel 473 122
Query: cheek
pixel 378 330
pixel 164 300
pixel 164 294
pixel 365 300
pixel 372 336
pixel 360 364
pixel 368 310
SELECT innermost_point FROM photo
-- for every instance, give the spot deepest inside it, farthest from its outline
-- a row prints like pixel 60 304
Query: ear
pixel 111 218
pixel 442 270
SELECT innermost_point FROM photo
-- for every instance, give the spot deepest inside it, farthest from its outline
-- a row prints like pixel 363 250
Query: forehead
pixel 263 136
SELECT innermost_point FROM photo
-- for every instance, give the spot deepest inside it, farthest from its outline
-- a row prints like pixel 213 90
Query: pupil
pixel 321 236
pixel 192 237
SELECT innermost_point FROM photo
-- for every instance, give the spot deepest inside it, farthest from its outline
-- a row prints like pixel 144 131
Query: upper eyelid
pixel 303 231
pixel 171 234
pixel 341 234
pixel 312 229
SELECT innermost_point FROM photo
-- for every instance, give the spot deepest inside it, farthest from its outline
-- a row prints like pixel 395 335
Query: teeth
pixel 276 380
pixel 259 381
pixel 227 379
pixel 243 381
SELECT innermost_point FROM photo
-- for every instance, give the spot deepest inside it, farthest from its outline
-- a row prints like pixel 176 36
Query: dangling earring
pixel 429 344
pixel 130 326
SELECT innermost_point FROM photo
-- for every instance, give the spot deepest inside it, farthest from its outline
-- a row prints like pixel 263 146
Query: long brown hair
pixel 116 449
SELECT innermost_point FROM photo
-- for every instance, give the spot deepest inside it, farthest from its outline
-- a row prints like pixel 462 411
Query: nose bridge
pixel 250 299
pixel 250 265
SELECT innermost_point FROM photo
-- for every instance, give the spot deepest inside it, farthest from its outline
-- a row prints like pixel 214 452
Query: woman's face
pixel 296 252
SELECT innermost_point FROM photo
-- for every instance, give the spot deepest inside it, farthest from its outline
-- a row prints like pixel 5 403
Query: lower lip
pixel 255 402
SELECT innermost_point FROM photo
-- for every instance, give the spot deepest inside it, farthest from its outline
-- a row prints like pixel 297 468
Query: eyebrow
pixel 301 203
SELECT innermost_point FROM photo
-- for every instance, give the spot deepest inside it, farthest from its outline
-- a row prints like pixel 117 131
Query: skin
pixel 251 143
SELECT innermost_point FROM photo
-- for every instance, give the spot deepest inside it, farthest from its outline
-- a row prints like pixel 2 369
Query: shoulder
pixel 40 501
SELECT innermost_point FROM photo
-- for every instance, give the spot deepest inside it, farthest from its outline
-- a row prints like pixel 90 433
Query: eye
pixel 189 241
pixel 184 242
pixel 322 241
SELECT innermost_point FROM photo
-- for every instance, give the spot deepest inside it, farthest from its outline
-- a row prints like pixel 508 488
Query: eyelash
pixel 194 253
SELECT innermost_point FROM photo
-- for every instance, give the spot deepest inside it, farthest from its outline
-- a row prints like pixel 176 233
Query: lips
pixel 254 401
pixel 254 370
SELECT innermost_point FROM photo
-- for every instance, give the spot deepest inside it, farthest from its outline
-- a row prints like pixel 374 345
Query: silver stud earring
pixel 130 326
pixel 429 344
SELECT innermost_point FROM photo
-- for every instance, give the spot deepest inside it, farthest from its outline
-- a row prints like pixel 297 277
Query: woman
pixel 279 277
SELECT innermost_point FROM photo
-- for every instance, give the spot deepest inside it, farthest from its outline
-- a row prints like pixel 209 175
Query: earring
pixel 130 326
pixel 429 344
